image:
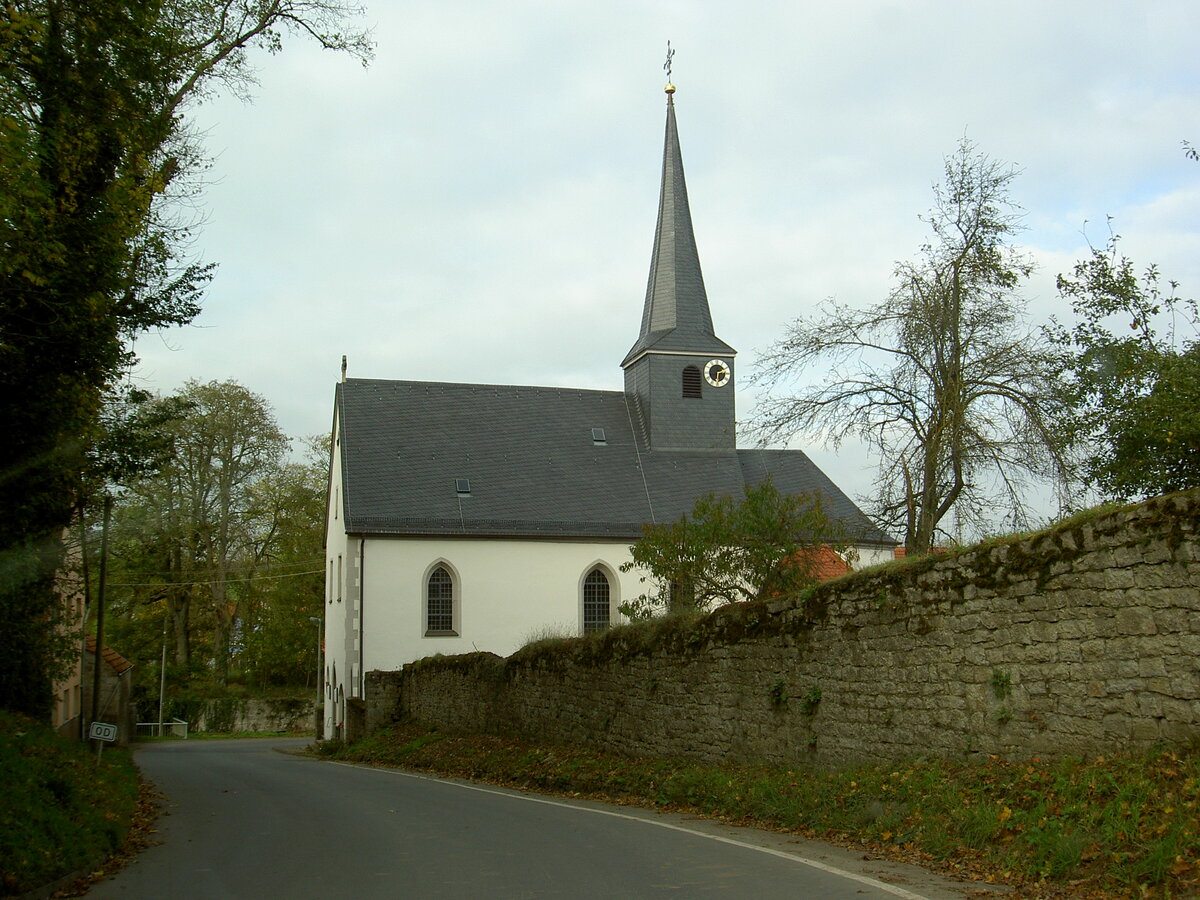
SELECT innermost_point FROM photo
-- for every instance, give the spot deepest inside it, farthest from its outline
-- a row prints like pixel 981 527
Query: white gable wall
pixel 340 627
pixel 862 556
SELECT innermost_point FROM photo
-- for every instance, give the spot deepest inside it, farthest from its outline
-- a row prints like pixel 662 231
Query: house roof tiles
pixel 115 660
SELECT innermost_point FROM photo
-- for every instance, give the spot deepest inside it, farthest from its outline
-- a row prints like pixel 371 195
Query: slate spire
pixel 676 316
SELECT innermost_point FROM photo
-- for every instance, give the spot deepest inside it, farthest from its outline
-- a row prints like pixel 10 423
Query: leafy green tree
pixel 943 380
pixel 223 450
pixel 137 620
pixel 278 638
pixel 729 550
pixel 220 550
pixel 1132 364
pixel 275 579
pixel 93 147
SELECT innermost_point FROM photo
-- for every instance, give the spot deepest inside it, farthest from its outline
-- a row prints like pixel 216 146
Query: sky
pixel 478 205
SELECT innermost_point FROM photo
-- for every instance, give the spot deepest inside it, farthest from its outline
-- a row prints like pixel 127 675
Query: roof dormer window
pixel 462 486
pixel 598 437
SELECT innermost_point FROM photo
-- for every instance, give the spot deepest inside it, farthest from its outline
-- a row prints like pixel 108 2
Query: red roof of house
pixel 822 562
pixel 115 660
pixel 826 563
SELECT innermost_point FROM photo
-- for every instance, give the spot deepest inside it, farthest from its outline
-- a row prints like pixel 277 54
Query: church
pixel 468 517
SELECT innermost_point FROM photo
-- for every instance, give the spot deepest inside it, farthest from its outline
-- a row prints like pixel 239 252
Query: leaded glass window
pixel 439 607
pixel 595 602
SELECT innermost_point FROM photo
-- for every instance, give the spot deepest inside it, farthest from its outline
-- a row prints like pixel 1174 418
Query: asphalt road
pixel 244 820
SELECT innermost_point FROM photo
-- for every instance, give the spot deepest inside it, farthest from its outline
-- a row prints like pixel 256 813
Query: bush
pixel 60 810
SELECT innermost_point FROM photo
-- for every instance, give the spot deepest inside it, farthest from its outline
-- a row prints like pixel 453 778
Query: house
pixel 478 516
pixel 822 563
pixel 66 716
pixel 116 681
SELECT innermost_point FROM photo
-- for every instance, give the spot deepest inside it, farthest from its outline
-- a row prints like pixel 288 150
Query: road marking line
pixel 813 863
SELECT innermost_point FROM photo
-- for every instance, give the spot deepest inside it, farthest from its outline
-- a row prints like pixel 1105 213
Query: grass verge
pixel 1120 826
pixel 60 810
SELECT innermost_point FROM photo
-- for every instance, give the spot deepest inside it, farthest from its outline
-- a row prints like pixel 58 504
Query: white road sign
pixel 102 731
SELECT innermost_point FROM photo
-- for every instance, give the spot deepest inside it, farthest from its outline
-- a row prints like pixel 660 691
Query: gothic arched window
pixel 439 602
pixel 595 601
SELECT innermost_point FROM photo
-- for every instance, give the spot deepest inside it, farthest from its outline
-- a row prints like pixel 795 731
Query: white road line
pixel 816 864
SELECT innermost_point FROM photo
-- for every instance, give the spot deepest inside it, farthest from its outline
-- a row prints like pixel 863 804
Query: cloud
pixel 479 204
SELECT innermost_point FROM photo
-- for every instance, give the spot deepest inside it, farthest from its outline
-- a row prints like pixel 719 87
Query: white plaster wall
pixel 862 556
pixel 507 592
pixel 340 625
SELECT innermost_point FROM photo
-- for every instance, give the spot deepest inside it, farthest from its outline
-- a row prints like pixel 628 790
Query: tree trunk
pixel 223 630
pixel 180 609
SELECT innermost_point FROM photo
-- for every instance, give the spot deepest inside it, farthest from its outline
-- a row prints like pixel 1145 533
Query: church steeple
pixel 678 373
pixel 676 315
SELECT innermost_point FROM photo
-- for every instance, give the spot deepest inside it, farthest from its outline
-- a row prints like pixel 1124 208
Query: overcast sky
pixel 479 204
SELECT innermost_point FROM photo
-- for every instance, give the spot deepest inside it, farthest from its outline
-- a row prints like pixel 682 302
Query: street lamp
pixel 319 712
pixel 162 672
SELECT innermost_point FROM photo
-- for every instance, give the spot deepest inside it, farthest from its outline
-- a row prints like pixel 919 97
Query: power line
pixel 240 567
pixel 196 583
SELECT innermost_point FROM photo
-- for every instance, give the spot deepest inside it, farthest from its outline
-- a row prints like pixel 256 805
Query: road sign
pixel 102 731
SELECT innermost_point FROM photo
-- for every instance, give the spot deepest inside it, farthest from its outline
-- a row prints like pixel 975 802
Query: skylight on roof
pixel 462 485
pixel 598 436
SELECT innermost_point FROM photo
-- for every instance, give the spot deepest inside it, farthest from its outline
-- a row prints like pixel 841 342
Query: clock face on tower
pixel 716 372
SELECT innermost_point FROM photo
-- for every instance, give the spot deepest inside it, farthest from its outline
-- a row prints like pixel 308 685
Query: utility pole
pixel 100 607
pixel 97 658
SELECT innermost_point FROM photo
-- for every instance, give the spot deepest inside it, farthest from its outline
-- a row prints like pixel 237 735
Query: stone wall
pixel 382 690
pixel 1079 640
pixel 230 715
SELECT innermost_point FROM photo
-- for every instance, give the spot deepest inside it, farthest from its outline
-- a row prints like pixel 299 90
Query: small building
pixel 116 682
pixel 470 517
pixel 66 713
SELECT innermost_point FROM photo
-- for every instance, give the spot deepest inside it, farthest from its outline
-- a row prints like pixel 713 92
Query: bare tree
pixel 943 379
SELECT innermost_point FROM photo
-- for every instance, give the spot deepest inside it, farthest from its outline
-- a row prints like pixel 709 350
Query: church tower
pixel 679 374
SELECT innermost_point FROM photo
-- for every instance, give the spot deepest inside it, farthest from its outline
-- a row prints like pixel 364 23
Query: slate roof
pixel 676 315
pixel 533 466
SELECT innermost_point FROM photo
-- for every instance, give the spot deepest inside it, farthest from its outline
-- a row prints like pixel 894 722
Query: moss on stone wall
pixel 1094 624
pixel 228 715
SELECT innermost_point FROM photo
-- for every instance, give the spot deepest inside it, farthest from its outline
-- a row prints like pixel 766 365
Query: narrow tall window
pixel 595 602
pixel 439 602
pixel 691 383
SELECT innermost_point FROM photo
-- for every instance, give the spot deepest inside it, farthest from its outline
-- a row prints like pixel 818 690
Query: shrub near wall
pixel 1075 641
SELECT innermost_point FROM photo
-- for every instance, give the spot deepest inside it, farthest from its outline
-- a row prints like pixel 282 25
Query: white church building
pixel 468 517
